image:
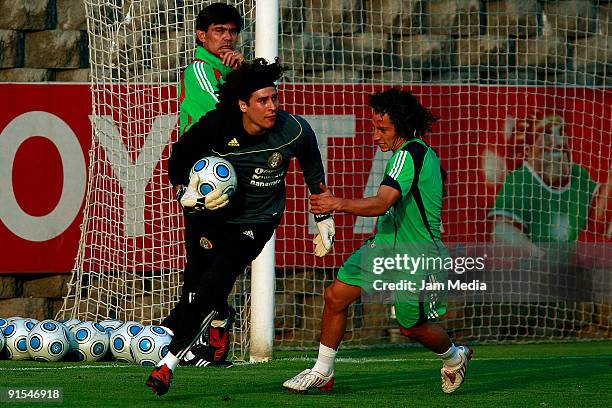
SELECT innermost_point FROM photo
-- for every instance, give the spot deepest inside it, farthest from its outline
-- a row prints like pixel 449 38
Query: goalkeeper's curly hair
pixel 249 77
pixel 410 118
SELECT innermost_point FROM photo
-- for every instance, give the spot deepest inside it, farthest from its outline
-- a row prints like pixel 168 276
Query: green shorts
pixel 412 307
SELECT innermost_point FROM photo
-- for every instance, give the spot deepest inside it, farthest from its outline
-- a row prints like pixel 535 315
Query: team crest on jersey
pixel 205 243
pixel 275 160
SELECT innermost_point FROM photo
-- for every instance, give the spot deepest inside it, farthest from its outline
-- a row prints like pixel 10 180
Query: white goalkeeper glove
pixel 190 200
pixel 325 239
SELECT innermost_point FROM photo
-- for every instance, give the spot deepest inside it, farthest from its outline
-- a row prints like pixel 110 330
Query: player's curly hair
pixel 249 77
pixel 410 118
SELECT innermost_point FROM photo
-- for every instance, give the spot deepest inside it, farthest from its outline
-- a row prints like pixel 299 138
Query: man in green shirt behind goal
pixel 409 206
pixel 217 28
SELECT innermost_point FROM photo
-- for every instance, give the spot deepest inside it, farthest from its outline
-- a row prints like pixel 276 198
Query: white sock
pixel 325 361
pixel 170 360
pixel 451 357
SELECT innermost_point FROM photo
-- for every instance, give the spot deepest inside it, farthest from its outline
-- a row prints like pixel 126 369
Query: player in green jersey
pixel 409 205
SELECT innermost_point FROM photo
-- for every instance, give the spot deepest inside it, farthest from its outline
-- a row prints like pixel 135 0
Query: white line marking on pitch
pixel 310 359
pixel 62 368
pixel 396 360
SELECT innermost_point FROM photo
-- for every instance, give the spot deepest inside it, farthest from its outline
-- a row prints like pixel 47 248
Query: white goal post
pixel 262 269
pixel 498 74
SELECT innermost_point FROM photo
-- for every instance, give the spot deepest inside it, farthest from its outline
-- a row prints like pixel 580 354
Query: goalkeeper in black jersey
pixel 224 235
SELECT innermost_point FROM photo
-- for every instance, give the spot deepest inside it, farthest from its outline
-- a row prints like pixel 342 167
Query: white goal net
pixel 498 74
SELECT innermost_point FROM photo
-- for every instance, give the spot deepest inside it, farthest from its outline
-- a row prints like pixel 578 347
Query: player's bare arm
pixel 373 206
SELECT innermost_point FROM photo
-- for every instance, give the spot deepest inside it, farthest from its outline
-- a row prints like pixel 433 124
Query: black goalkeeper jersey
pixel 261 161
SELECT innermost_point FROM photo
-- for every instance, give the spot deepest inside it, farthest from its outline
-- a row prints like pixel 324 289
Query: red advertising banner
pixel 45 137
pixel 474 137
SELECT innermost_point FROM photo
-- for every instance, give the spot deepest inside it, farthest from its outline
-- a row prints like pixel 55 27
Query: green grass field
pixel 533 375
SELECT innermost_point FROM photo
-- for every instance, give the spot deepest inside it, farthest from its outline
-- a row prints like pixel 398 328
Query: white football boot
pixel 452 379
pixel 309 379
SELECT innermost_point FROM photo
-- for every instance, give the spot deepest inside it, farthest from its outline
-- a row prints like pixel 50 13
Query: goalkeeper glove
pixel 325 239
pixel 191 201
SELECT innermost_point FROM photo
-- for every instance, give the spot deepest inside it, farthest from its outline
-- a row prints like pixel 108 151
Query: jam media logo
pixel 275 160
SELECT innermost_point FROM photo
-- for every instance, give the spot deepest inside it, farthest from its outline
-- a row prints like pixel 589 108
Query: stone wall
pixel 482 41
pixel 43 40
pixel 487 41
pixel 39 297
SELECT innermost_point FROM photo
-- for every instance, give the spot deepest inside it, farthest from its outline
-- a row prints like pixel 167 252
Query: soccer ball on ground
pixel 91 342
pixel 69 323
pixel 214 172
pixel 120 340
pixel 3 324
pixel 12 319
pixel 150 345
pixel 110 325
pixel 16 336
pixel 48 341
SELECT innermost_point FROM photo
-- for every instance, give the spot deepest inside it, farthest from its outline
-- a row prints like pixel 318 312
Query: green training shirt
pixel 403 222
pixel 199 86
